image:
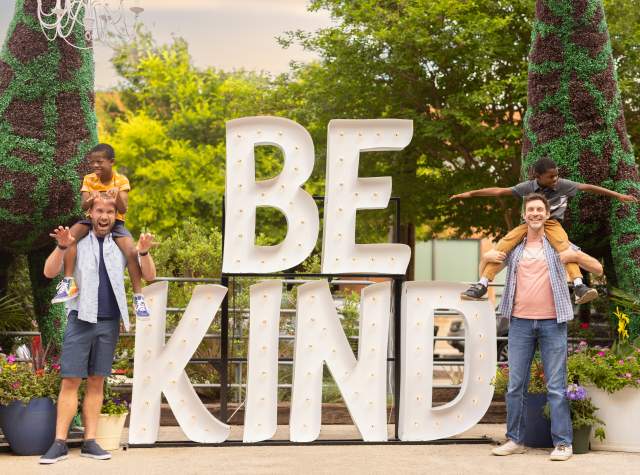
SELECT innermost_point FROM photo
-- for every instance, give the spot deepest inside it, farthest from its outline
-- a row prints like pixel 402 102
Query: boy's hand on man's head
pixel 145 242
pixel 93 195
pixel 113 193
pixel 628 199
pixel 63 236
pixel 461 196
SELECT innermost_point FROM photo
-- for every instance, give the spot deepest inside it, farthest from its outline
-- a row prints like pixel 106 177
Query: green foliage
pixel 583 414
pixel 21 382
pixel 35 87
pixel 606 368
pixel 170 139
pixel 350 312
pixel 12 318
pixel 537 383
pixel 112 403
pixel 457 68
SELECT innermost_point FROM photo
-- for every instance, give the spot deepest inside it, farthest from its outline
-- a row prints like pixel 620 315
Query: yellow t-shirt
pixel 91 183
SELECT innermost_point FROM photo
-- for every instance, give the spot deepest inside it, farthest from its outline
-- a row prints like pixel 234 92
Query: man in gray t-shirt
pixel 557 191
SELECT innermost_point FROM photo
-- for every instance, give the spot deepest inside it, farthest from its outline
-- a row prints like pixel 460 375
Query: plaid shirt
pixel 557 275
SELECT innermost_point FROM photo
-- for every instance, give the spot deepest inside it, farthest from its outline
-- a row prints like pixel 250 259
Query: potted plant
pixel 111 420
pixel 583 418
pixel 612 377
pixel 538 427
pixel 28 392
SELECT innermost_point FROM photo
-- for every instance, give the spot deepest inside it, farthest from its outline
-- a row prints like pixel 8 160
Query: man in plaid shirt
pixel 537 302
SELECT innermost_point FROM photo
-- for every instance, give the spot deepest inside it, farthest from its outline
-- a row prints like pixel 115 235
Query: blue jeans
pixel 552 339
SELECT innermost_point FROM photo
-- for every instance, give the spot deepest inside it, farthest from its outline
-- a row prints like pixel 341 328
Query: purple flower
pixel 576 392
pixel 11 359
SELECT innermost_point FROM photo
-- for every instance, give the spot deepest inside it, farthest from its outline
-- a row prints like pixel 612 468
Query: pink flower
pixel 600 353
pixel 15 385
pixel 620 361
pixel 55 366
pixel 582 343
pixel 11 359
pixel 627 375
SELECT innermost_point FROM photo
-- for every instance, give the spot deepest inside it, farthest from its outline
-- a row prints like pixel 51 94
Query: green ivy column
pixel 47 125
pixel 575 117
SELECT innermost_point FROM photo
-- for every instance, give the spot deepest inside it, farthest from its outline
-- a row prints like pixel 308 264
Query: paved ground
pixel 386 459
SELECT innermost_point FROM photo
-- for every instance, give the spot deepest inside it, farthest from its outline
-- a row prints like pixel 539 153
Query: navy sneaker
pixel 91 449
pixel 58 451
pixel 475 292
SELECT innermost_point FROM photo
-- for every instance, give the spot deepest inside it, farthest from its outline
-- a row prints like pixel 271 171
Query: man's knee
pixel 95 383
pixel 70 384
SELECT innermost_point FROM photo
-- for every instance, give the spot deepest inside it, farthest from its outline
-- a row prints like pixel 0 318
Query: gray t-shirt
pixel 557 196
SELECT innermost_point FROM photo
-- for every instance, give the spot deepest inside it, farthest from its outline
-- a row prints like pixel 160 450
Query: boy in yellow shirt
pixel 105 180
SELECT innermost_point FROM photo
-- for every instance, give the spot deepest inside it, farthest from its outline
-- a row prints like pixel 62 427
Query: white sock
pixel 484 281
pixel 577 281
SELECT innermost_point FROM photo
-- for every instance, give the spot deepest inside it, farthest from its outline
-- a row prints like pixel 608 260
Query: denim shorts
pixel 88 348
pixel 117 231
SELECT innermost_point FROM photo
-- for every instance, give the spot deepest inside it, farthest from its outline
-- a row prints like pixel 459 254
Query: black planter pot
pixel 538 428
pixel 30 429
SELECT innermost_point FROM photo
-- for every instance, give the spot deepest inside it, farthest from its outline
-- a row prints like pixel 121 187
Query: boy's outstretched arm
pixel 598 190
pixel 494 191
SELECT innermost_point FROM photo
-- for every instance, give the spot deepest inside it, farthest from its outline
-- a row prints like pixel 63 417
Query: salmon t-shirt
pixel 534 296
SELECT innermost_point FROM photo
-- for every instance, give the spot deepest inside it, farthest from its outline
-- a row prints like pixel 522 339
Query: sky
pixel 226 34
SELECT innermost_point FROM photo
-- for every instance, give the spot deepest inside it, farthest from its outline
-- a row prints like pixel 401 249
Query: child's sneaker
pixel 66 290
pixel 583 294
pixel 140 306
pixel 475 292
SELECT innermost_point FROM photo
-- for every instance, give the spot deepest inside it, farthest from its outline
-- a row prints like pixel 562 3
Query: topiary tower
pixel 47 125
pixel 575 117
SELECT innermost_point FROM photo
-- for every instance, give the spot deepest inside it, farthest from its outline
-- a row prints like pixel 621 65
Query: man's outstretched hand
pixel 145 242
pixel 63 236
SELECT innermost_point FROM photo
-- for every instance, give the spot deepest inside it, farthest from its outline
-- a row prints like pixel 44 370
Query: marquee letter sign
pixel 362 378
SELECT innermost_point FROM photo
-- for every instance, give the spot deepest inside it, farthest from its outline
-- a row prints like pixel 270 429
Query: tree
pixel 47 125
pixel 170 141
pixel 575 116
pixel 457 68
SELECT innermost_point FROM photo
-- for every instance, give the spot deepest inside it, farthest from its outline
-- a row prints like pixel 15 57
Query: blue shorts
pixel 117 231
pixel 88 348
